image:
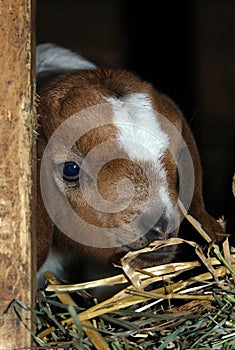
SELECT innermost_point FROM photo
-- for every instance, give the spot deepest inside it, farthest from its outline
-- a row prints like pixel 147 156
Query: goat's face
pixel 109 174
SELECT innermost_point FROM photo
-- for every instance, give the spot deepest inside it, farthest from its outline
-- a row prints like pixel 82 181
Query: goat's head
pixel 111 147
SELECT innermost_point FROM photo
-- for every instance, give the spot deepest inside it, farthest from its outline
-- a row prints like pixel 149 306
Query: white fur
pixel 170 212
pixel 141 136
pixel 51 58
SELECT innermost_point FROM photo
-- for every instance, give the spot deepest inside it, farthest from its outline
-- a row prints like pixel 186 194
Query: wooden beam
pixel 17 158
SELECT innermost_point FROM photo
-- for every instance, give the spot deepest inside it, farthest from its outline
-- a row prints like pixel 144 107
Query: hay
pixel 163 307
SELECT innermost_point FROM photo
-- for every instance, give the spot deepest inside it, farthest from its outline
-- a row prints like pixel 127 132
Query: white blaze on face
pixel 141 136
pixel 139 131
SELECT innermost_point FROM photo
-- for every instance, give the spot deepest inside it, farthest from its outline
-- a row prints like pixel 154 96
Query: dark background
pixel 185 48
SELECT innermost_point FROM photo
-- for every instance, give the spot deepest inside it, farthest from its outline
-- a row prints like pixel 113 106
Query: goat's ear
pixel 197 207
pixel 168 108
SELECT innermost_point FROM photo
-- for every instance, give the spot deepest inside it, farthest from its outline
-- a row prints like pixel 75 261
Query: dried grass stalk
pixel 202 295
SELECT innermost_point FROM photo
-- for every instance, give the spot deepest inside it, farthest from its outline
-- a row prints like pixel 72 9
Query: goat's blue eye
pixel 71 171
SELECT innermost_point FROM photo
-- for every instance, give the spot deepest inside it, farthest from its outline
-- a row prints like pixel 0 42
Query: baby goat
pixel 114 156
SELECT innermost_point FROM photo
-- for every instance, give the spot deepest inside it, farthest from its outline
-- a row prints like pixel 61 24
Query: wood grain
pixel 17 164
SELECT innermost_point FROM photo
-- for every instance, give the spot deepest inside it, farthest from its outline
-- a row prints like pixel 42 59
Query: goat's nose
pixel 162 224
pixel 162 230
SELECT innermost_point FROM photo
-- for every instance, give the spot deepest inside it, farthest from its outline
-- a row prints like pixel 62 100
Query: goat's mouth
pixel 155 234
pixel 161 255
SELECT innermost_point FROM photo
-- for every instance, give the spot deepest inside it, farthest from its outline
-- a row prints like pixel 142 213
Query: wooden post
pixel 17 157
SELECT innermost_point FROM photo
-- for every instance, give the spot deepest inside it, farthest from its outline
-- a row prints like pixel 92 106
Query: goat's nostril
pixel 158 235
pixel 162 225
pixel 166 227
pixel 162 230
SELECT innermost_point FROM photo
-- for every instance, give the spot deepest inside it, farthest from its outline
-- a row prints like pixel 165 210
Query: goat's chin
pixel 162 256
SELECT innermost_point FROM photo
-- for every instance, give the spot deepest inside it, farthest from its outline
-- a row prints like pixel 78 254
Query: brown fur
pixel 74 92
